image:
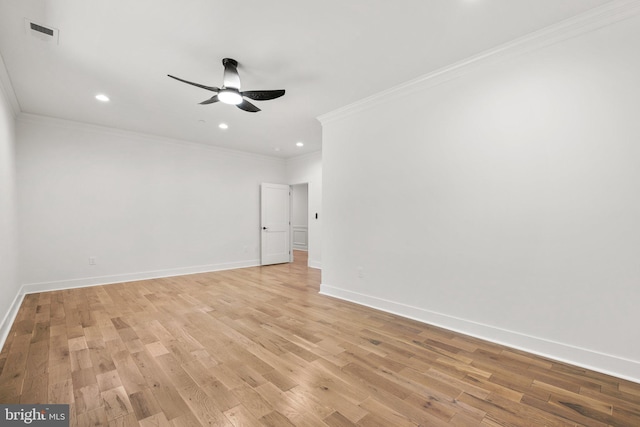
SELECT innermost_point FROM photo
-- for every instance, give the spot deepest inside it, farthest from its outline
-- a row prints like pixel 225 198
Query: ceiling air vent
pixel 41 29
pixel 41 32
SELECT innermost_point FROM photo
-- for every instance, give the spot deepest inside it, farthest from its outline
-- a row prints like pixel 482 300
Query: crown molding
pixel 7 88
pixel 314 155
pixel 138 136
pixel 610 13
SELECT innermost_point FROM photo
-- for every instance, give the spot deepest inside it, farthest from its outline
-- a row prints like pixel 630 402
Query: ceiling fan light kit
pixel 230 92
pixel 229 96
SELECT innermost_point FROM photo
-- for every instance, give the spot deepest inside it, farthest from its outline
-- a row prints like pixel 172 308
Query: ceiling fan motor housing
pixel 230 61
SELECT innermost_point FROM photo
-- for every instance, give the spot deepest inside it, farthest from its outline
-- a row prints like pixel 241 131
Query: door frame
pixel 308 206
pixel 309 218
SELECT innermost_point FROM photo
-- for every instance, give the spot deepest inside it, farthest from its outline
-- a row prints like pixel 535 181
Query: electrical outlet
pixel 92 260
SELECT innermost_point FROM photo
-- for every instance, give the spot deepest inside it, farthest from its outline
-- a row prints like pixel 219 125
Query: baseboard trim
pixel 132 277
pixel 10 317
pixel 314 264
pixel 604 363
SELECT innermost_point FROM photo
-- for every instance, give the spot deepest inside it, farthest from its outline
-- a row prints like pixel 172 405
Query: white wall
pixel 9 283
pixel 504 202
pixel 142 206
pixel 308 169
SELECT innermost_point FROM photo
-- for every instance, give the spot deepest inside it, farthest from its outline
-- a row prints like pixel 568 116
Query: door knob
pixel 264 228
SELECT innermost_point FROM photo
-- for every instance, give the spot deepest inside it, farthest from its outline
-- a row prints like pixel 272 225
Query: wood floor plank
pixel 144 404
pixel 503 410
pixel 260 347
pixel 161 386
pixel 116 403
pixel 240 416
pixel 336 419
pixel 391 416
pixel 96 417
pixel 276 419
pixel 157 420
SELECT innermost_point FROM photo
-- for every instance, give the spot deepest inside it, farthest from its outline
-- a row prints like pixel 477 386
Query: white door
pixel 274 218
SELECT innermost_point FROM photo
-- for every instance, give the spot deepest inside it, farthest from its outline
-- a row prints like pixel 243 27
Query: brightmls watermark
pixel 34 415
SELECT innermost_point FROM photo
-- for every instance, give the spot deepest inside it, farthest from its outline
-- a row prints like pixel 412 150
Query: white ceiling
pixel 326 54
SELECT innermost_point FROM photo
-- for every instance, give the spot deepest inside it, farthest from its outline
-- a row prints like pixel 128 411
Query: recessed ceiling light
pixel 277 148
pixel 300 144
pixel 223 126
pixel 102 97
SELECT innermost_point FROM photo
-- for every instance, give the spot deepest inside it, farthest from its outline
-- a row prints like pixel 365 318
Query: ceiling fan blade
pixel 247 106
pixel 263 95
pixel 211 88
pixel 211 100
pixel 231 77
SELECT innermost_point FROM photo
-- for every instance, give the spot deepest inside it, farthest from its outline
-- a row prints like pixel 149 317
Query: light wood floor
pixel 260 347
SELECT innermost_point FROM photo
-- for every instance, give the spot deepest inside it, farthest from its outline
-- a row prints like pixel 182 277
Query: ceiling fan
pixel 230 93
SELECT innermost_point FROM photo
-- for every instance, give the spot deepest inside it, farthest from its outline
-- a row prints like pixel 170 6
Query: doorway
pixel 300 217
